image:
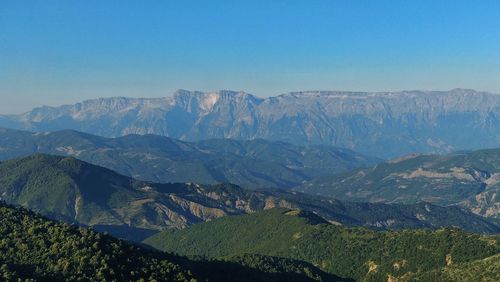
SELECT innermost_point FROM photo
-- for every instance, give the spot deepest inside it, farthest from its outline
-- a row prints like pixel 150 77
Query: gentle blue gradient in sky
pixel 55 52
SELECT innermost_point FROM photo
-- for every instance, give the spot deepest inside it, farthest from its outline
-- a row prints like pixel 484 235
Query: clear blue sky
pixel 54 52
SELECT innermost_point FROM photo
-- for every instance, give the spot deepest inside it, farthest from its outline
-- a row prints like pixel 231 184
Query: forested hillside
pixel 33 248
pixel 356 253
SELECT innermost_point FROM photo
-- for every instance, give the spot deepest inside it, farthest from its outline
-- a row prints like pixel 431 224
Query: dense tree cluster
pixel 357 253
pixel 480 270
pixel 32 247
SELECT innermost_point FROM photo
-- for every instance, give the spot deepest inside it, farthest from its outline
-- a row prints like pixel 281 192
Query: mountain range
pixel 74 191
pixel 228 186
pixel 467 179
pixel 381 124
pixel 251 164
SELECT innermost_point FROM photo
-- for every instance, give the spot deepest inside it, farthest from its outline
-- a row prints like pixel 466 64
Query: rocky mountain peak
pixel 383 124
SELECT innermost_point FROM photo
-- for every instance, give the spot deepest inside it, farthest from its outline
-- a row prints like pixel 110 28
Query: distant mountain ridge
pixel 467 179
pixel 68 189
pixel 382 124
pixel 251 164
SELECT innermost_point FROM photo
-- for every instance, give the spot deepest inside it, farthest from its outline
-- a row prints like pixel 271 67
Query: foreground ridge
pixel 37 249
pixel 355 253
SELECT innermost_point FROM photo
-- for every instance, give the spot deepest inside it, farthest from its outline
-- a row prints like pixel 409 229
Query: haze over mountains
pixel 328 141
pixel 470 180
pixel 123 181
pixel 251 164
pixel 384 125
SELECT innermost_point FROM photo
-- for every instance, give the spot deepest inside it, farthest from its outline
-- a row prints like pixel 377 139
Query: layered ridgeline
pixel 36 249
pixel 470 180
pixel 251 164
pixel 361 254
pixel 378 124
pixel 74 191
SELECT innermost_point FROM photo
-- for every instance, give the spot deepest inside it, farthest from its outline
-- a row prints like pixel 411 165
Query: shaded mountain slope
pixel 37 248
pixel 251 164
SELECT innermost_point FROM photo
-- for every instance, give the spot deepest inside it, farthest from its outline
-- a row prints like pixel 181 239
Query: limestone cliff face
pixel 379 124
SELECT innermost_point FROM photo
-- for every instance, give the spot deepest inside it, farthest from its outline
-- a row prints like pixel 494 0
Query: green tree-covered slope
pixel 33 248
pixel 487 269
pixel 68 189
pixel 356 253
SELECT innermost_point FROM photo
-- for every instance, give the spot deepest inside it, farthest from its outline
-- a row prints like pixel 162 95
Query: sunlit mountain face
pixel 384 125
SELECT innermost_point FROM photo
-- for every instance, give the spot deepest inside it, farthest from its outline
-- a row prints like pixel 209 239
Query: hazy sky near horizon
pixel 57 52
